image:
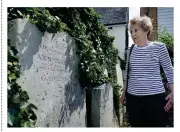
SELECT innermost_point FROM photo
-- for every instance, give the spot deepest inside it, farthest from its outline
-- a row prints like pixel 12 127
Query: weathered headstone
pixel 49 66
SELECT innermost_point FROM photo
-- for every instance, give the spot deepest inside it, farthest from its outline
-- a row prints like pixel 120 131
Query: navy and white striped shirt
pixel 145 78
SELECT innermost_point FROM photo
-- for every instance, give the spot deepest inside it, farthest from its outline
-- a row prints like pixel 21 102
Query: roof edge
pixel 115 24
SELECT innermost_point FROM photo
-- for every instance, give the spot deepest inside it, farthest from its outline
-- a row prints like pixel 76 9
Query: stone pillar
pixel 102 106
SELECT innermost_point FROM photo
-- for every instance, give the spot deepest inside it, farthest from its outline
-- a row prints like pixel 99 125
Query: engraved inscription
pixel 51 62
pixel 54 49
pixel 49 59
pixel 44 67
pixel 53 78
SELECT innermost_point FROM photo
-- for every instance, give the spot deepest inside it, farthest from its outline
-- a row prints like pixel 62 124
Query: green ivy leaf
pixel 12 77
pixel 10 63
pixel 27 124
pixel 31 106
pixel 24 96
pixel 24 114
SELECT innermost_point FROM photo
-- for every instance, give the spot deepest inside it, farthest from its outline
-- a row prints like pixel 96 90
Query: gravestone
pixel 102 109
pixel 49 73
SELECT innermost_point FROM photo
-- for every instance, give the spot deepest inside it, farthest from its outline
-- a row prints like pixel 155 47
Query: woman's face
pixel 137 33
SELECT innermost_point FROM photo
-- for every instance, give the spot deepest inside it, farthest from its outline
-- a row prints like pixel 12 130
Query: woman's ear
pixel 148 33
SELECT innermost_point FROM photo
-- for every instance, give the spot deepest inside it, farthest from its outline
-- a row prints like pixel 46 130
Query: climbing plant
pixel 95 47
pixel 20 112
pixel 165 37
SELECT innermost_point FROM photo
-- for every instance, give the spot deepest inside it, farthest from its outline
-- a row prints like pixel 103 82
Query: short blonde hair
pixel 145 23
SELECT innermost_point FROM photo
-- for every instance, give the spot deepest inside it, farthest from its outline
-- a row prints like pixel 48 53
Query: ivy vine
pixel 20 112
pixel 95 47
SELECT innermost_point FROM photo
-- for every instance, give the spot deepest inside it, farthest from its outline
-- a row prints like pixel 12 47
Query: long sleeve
pixel 166 64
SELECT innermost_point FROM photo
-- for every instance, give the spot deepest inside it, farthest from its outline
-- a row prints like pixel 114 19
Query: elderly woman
pixel 146 102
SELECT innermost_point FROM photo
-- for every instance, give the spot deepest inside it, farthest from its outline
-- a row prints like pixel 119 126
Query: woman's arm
pixel 172 88
pixel 165 62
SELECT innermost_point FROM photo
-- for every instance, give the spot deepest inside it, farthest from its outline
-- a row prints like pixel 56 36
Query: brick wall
pixel 152 13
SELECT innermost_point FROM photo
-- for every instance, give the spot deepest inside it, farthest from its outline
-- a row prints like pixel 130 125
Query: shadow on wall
pixel 28 39
pixel 31 38
pixel 74 94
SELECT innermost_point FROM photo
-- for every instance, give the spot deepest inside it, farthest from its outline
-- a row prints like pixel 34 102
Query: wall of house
pixel 118 31
pixel 166 18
